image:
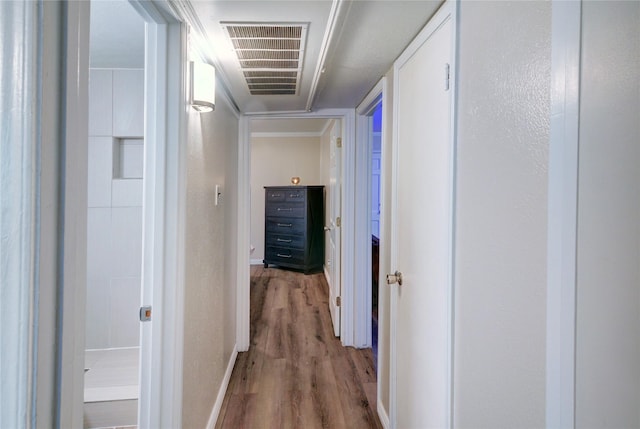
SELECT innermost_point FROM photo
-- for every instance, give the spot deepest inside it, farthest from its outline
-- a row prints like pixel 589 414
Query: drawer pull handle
pixel 282 240
pixel 280 255
pixel 280 209
pixel 294 195
pixel 288 225
pixel 275 195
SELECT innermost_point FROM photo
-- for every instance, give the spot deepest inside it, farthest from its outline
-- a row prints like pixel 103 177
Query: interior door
pixel 335 198
pixel 422 231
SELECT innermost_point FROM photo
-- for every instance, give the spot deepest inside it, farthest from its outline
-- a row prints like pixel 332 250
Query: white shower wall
pixel 114 221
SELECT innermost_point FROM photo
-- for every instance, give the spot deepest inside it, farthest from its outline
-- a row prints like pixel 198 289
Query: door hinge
pixel 447 76
pixel 339 142
pixel 338 221
pixel 338 301
pixel 145 313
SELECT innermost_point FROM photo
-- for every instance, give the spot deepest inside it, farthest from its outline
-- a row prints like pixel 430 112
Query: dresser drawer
pixel 275 195
pixel 297 195
pixel 289 241
pixel 286 209
pixel 285 225
pixel 284 256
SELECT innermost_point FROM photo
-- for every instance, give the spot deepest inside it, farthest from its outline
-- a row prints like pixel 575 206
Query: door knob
pixel 394 278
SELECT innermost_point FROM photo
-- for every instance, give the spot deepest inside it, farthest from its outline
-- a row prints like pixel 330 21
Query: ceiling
pixel 349 45
pixel 116 35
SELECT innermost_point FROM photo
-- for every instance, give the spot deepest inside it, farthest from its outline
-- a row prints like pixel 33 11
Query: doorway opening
pixel 375 145
pixel 114 215
pixel 304 149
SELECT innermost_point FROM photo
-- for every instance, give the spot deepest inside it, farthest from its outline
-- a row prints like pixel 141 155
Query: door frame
pixel 448 11
pixel 362 245
pixel 160 400
pixel 348 309
pixel 166 54
pixel 563 213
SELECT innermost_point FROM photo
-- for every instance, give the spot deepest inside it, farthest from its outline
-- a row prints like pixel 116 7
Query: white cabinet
pixel 128 103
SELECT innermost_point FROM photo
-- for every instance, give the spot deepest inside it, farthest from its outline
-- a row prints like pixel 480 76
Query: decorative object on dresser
pixel 294 227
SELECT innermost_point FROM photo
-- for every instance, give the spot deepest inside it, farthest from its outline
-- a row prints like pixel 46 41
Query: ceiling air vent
pixel 269 54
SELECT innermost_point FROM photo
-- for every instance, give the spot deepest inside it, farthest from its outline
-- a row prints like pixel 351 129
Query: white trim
pixel 384 349
pixel 215 412
pixel 327 276
pixel 161 340
pixel 362 244
pixel 448 11
pixel 347 252
pixel 330 30
pixel 348 220
pixel 562 214
pixel 286 134
pixel 73 203
pixel 257 262
pixel 382 415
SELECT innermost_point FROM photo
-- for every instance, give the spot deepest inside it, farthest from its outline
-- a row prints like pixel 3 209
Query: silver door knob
pixel 394 278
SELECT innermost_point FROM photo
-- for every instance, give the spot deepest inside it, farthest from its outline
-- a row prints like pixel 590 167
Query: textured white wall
pixel 274 160
pixel 210 260
pixel 500 272
pixel 608 277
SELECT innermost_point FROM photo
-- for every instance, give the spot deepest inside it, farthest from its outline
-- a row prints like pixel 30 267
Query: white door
pixel 334 243
pixel 422 230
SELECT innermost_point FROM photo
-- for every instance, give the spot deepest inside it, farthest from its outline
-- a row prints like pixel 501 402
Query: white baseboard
pixel 256 262
pixel 215 412
pixel 382 415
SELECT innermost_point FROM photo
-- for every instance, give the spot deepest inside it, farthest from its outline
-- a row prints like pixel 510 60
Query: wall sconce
pixel 203 86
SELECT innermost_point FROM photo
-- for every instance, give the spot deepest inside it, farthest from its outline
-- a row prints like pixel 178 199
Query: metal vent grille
pixel 269 54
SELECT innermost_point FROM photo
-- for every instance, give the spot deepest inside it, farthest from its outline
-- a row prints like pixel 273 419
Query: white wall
pixel 210 260
pixel 274 160
pixel 500 261
pixel 608 277
pixel 114 207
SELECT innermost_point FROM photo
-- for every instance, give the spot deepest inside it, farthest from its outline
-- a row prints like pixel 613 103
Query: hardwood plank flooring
pixel 296 374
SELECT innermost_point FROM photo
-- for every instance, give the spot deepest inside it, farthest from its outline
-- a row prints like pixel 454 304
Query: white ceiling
pixel 367 36
pixel 116 35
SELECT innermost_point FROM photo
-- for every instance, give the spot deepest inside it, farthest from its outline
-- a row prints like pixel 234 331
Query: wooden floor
pixel 296 373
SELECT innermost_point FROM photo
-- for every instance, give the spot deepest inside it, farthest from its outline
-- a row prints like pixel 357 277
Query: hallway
pixel 296 374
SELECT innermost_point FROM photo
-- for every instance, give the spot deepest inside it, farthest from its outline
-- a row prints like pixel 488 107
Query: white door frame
pixel 161 340
pixel 448 11
pixel 348 308
pixel 362 244
pixel 563 213
pixel 161 348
